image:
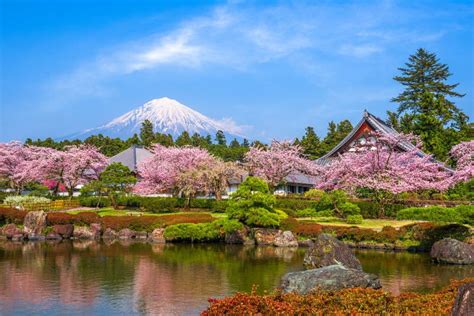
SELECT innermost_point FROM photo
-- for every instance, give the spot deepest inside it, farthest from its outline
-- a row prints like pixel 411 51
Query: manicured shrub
pixel 354 219
pixel 253 204
pixel 83 218
pixel 94 201
pixel 173 219
pixel 348 209
pixel 466 212
pixel 294 204
pixel 214 231
pixel 371 209
pixel 356 301
pixel 307 229
pixel 307 212
pixel 314 194
pixel 432 213
pixel 11 216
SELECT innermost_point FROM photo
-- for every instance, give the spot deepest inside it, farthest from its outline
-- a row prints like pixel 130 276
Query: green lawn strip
pixel 375 224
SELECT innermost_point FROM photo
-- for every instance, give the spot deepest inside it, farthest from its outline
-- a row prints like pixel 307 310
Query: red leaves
pixel 344 302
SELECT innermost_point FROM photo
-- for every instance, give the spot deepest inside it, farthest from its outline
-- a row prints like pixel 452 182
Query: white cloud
pixel 240 36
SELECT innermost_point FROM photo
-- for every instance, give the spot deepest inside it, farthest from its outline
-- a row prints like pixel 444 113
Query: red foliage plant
pixel 83 218
pixel 345 302
pixel 11 215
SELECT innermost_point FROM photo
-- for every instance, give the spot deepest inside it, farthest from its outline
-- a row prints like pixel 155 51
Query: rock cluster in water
pixel 336 268
pixel 452 251
pixel 35 228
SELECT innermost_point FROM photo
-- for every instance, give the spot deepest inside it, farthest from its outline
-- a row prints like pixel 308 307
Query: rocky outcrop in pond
pixel 157 236
pixel 285 239
pixel 464 302
pixel 241 236
pixel 452 251
pixel 34 224
pixel 327 250
pixel 84 232
pixel 330 278
pixel 65 230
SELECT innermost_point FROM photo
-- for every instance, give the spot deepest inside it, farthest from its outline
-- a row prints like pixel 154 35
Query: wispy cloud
pixel 239 36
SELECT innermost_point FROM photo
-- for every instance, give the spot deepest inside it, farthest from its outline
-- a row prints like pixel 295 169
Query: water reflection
pixel 139 278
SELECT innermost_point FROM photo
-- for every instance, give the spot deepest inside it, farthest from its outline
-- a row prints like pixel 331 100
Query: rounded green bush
pixel 354 219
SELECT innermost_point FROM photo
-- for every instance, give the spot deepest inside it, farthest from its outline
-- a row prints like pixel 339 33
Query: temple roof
pixel 377 125
pixel 131 157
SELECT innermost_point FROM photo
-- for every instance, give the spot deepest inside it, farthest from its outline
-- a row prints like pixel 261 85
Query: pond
pixel 89 278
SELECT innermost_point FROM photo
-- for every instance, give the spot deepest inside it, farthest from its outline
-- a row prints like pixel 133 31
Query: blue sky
pixel 272 67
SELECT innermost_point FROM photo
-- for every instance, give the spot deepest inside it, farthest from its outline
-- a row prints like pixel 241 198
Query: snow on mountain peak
pixel 168 116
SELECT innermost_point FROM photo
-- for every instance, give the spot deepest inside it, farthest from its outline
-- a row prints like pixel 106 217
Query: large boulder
pixel 265 236
pixel 84 232
pixel 452 251
pixel 157 236
pixel 96 228
pixel 327 250
pixel 240 236
pixel 285 239
pixel 126 234
pixel 330 278
pixel 34 224
pixel 464 302
pixel 109 234
pixel 65 230
pixel 142 235
pixel 10 230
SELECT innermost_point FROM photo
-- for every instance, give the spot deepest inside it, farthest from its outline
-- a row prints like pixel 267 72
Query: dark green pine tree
pixel 147 136
pixel 310 144
pixel 184 139
pixel 220 138
pixel 245 143
pixel 234 143
pixel 424 106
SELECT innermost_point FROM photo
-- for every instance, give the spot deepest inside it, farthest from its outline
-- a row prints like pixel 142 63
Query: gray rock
pixel 285 239
pixel 84 232
pixel 126 234
pixel 18 237
pixel 265 236
pixel 65 231
pixel 34 223
pixel 452 251
pixel 157 236
pixel 141 235
pixel 330 278
pixel 327 251
pixel 241 236
pixel 10 230
pixel 464 302
pixel 109 234
pixel 53 236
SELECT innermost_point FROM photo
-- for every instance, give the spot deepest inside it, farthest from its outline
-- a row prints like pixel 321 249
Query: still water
pixel 89 278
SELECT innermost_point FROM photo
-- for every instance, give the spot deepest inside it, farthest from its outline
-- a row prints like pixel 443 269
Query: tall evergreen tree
pixel 234 143
pixel 220 138
pixel 424 106
pixel 311 144
pixel 147 136
pixel 245 143
pixel 184 139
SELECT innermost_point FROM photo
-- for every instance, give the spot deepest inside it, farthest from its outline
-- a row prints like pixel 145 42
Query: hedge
pixel 463 214
pixel 214 231
pixel 356 301
pixel 11 216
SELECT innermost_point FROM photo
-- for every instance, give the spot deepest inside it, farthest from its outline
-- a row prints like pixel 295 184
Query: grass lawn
pixel 108 211
pixel 376 224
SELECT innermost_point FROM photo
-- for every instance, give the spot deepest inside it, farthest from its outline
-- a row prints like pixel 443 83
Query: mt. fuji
pixel 168 117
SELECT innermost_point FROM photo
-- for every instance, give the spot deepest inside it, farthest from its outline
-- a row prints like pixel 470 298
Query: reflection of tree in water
pixel 404 271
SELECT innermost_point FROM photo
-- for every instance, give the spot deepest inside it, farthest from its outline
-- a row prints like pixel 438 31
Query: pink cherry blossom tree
pixel 281 160
pixel 74 166
pixel 380 165
pixel 19 163
pixel 463 155
pixel 186 171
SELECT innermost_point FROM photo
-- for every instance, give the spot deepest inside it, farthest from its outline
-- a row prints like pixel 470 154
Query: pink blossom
pixel 279 161
pixel 381 165
pixel 463 154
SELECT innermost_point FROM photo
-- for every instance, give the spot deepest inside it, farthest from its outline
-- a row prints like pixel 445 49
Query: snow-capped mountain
pixel 168 116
